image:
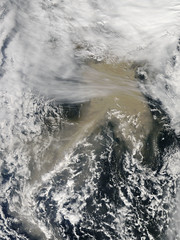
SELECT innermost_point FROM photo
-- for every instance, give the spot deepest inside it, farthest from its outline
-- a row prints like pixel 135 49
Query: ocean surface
pixel 89 120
